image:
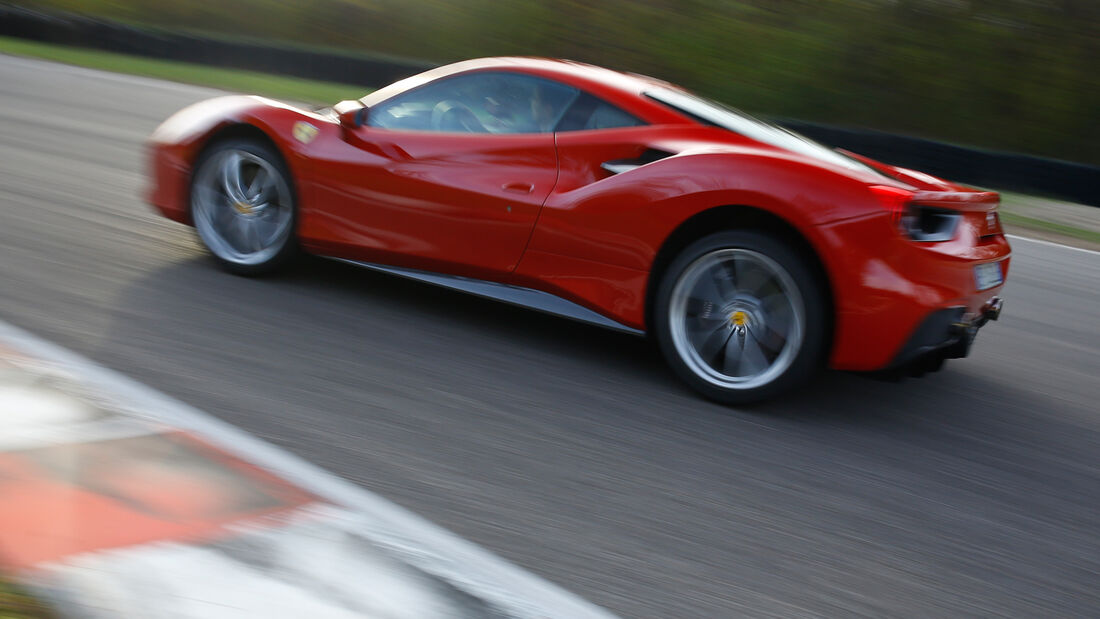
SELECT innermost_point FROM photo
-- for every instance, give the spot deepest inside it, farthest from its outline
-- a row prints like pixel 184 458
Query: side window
pixel 490 102
pixel 607 116
pixel 588 112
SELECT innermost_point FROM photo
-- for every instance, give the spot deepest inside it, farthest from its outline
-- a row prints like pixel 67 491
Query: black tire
pixel 246 218
pixel 741 317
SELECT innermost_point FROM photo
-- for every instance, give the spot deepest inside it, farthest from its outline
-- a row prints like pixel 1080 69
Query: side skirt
pixel 516 295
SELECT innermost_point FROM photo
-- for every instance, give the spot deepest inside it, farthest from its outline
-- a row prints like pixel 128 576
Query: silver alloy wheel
pixel 736 318
pixel 242 207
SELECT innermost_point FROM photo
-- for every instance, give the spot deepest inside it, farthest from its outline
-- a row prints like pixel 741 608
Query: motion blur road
pixel 567 449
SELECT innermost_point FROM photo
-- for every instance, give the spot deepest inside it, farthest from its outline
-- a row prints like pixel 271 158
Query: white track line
pixel 1050 244
pixel 414 539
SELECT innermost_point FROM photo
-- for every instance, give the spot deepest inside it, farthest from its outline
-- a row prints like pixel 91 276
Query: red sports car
pixel 752 255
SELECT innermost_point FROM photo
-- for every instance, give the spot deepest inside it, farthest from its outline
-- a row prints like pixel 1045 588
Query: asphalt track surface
pixel 567 449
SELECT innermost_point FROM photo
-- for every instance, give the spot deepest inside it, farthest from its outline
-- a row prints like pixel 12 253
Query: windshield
pixel 714 113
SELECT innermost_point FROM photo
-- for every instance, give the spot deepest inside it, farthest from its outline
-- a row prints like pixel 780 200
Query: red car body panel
pixel 538 210
pixel 470 201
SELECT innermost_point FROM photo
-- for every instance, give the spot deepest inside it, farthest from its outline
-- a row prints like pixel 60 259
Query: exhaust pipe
pixel 967 331
pixel 992 310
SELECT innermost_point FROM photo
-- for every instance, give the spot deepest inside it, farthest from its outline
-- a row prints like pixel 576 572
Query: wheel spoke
pixel 258 185
pixel 778 311
pixel 753 360
pixel 214 209
pixel 703 309
pixel 750 277
pixel 731 361
pixel 264 188
pixel 712 343
pixel 238 230
pixel 252 234
pixel 722 275
pixel 706 289
pixel 231 177
pixel 771 341
pixel 700 331
pixel 222 216
pixel 266 229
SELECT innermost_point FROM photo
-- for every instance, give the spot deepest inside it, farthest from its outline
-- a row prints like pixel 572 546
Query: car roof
pixel 568 71
pixel 622 89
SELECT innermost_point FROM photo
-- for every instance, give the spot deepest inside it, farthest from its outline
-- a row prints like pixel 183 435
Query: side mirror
pixel 352 114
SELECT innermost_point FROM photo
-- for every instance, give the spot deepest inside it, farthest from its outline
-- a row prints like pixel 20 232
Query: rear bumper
pixel 944 334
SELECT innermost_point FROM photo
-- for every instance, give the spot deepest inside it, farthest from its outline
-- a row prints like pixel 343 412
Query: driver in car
pixel 514 115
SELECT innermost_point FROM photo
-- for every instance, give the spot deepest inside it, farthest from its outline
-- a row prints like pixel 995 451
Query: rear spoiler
pixel 946 195
pixel 971 201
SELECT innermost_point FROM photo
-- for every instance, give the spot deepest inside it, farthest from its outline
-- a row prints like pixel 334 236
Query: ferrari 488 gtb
pixel 751 255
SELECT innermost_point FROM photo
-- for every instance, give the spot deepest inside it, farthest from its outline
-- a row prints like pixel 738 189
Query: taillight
pixel 894 199
pixel 992 224
pixel 926 224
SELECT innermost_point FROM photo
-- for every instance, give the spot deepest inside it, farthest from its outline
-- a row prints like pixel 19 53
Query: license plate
pixel 988 275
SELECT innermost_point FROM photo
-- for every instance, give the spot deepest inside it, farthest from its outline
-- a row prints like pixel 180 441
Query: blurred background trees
pixel 1018 75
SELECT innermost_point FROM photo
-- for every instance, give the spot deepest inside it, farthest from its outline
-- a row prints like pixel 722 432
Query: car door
pixel 449 176
pixel 596 141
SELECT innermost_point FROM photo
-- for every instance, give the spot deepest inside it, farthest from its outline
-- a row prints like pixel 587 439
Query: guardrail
pixel 1051 177
pixel 1075 182
pixel 81 31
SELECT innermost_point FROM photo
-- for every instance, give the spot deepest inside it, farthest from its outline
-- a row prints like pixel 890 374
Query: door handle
pixel 518 187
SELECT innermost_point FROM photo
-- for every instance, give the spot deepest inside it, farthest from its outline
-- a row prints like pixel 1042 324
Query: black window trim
pixel 595 102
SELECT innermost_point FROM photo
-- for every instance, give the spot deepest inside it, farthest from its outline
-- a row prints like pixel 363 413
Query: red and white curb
pixel 118 501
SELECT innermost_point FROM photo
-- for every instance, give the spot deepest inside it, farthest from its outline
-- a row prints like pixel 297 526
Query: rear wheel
pixel 741 317
pixel 243 207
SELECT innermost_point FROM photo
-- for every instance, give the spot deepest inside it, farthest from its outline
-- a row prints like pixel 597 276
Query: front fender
pixel 174 146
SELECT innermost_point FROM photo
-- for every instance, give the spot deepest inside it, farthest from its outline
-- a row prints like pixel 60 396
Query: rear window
pixel 589 112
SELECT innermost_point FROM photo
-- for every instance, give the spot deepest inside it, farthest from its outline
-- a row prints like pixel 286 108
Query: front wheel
pixel 243 207
pixel 741 317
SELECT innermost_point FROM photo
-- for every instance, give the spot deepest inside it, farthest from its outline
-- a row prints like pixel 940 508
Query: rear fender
pixel 602 223
pixel 625 219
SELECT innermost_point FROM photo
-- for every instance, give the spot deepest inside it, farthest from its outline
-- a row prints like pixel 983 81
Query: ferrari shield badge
pixel 304 132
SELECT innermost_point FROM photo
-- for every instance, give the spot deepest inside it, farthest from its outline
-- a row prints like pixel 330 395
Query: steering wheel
pixel 451 115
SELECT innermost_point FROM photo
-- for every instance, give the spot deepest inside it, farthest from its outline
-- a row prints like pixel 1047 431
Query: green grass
pixel 1032 223
pixel 250 82
pixel 16 604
